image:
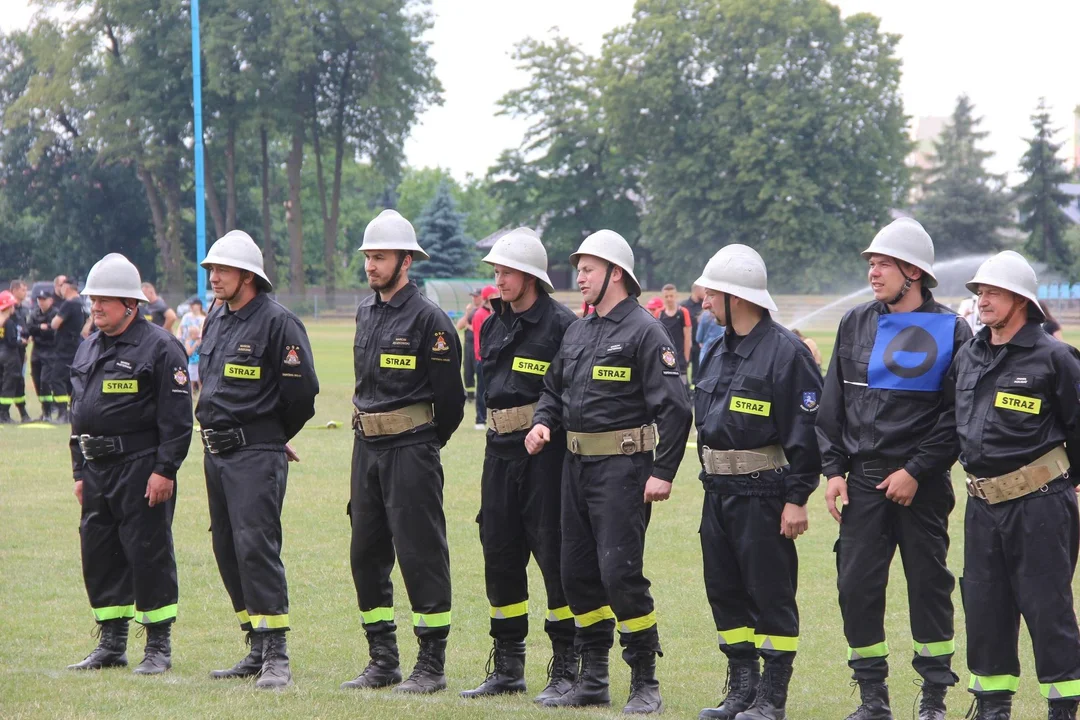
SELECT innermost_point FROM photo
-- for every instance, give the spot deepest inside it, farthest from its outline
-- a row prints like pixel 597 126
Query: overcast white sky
pixel 1005 56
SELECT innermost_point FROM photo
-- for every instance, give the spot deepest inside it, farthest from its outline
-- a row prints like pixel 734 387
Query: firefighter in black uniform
pixel 44 338
pixel 409 399
pixel 614 388
pixel 755 403
pixel 887 449
pixel 10 364
pixel 519 502
pixel 68 324
pixel 1017 407
pixel 130 431
pixel 258 390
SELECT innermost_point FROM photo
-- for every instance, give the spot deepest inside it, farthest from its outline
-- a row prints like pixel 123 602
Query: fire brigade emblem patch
pixel 292 358
pixel 667 356
pixel 179 376
pixel 809 401
pixel 440 345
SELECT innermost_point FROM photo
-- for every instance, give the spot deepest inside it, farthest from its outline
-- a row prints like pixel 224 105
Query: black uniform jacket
pixel 44 340
pixel 874 423
pixel 256 364
pixel 407 351
pixel 516 352
pixel 765 392
pixel 1016 403
pixel 9 334
pixel 135 382
pixel 616 372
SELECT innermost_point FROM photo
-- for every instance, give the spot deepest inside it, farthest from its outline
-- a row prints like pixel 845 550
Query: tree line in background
pixel 774 123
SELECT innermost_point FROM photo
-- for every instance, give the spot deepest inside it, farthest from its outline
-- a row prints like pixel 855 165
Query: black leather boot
pixel 247 667
pixel 644 687
pixel 428 675
pixel 741 688
pixel 932 702
pixel 997 706
pixel 158 656
pixel 1062 709
pixel 275 672
pixel 506 671
pixel 591 687
pixel 770 701
pixel 875 702
pixel 562 670
pixel 383 668
pixel 111 650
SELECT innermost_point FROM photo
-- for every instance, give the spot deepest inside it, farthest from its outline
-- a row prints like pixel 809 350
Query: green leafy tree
pixel 440 231
pixel 774 123
pixel 963 206
pixel 569 177
pixel 473 199
pixel 1041 197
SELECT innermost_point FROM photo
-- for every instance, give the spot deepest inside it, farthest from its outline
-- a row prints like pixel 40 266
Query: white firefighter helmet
pixel 1010 271
pixel 522 250
pixel 739 271
pixel 114 276
pixel 610 246
pixel 390 231
pixel 906 240
pixel 236 249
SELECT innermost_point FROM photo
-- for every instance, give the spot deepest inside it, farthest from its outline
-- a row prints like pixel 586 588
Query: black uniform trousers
pixel 1019 559
pixel 57 375
pixel 396 510
pixel 751 575
pixel 246 491
pixel 873 527
pixel 604 518
pixel 129 565
pixel 21 389
pixel 468 360
pixel 10 379
pixel 519 515
pixel 38 363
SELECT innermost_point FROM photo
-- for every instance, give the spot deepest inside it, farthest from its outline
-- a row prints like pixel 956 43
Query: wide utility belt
pixel 1024 481
pixel 95 447
pixel 393 422
pixel 511 420
pixel 217 442
pixel 615 442
pixel 743 462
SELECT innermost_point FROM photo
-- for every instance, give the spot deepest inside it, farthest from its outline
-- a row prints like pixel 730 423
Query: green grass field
pixel 45 620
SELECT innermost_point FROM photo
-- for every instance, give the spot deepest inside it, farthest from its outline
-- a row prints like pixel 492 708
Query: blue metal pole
pixel 200 195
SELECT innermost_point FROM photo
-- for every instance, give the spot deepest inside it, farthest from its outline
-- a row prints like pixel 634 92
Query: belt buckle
pixel 84 447
pixel 208 444
pixel 574 445
pixel 974 488
pixel 628 446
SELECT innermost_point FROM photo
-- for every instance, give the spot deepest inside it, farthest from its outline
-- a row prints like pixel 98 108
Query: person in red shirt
pixel 482 313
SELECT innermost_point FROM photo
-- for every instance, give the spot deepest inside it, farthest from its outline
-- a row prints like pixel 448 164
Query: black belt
pixel 880 468
pixel 217 442
pixel 95 447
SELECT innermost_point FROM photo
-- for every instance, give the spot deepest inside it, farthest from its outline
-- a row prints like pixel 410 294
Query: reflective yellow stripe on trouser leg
pixel 638 624
pixel 783 643
pixel 431 620
pixel 877 650
pixel 149 617
pixel 591 618
pixel 507 612
pixel 269 622
pixel 114 612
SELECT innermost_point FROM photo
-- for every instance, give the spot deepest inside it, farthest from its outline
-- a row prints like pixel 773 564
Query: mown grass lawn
pixel 45 621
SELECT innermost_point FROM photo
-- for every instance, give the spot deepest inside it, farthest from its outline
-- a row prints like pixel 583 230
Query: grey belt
pixel 743 462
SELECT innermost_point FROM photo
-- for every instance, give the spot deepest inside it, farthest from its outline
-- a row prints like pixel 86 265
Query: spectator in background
pixel 1051 326
pixel 708 332
pixel 479 316
pixel 811 345
pixel 693 305
pixel 676 320
pixel 156 310
pixel 465 323
pixel 58 287
pixel 191 336
pixel 969 310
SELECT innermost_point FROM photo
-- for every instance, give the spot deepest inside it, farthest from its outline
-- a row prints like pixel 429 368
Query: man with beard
pixel 408 401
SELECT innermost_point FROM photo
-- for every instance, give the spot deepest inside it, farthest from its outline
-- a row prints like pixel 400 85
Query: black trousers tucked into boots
pixel 57 375
pixel 604 518
pixel 519 516
pixel 751 574
pixel 1019 559
pixel 396 511
pixel 873 528
pixel 246 491
pixel 129 566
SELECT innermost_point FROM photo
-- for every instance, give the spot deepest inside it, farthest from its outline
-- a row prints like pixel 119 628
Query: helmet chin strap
pixel 903 290
pixel 1008 316
pixel 397 268
pixel 729 327
pixel 604 287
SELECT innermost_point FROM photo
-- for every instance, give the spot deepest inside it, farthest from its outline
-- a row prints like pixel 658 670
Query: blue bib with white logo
pixel 912 351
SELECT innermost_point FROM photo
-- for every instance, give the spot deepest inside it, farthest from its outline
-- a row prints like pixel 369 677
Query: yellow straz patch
pixel 397 362
pixel 120 386
pixel 243 372
pixel 528 365
pixel 750 407
pixel 619 374
pixel 1019 403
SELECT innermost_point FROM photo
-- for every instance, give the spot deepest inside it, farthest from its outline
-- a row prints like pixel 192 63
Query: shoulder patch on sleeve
pixel 809 401
pixel 292 356
pixel 440 346
pixel 667 355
